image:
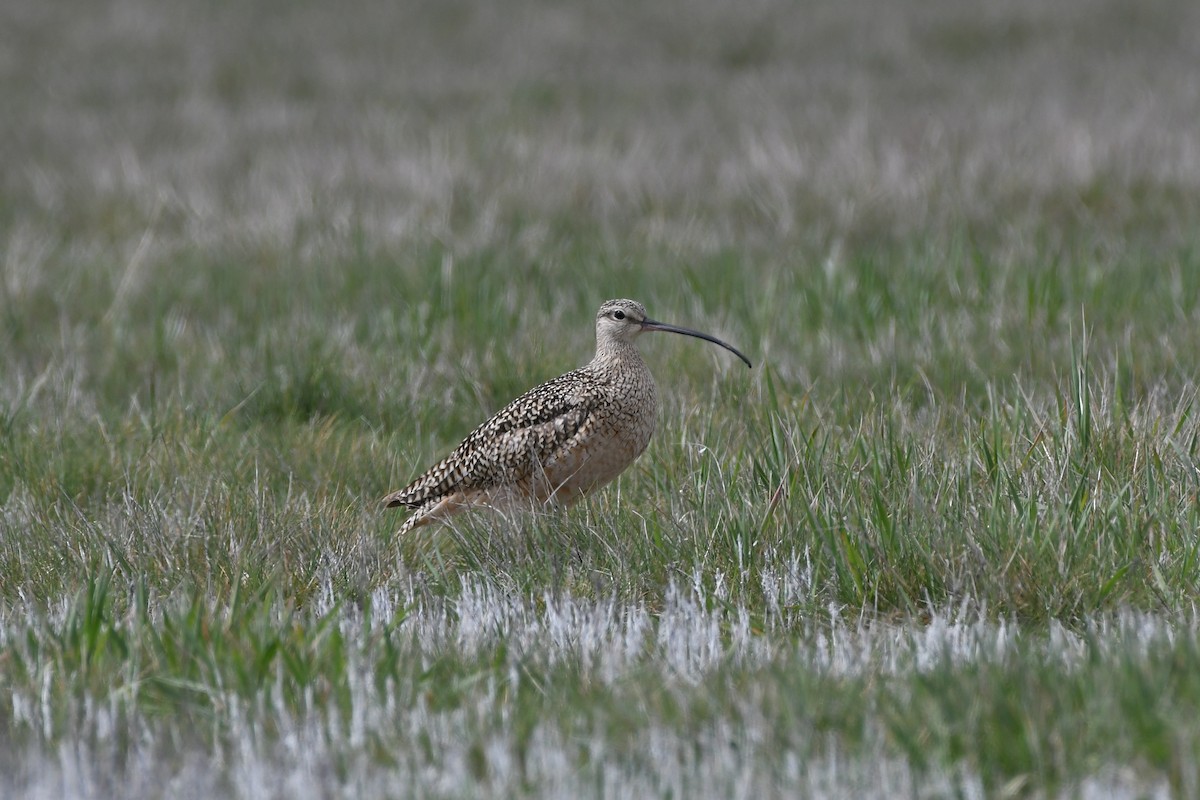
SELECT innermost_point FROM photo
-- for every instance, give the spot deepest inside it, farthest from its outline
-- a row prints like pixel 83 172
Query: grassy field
pixel 262 263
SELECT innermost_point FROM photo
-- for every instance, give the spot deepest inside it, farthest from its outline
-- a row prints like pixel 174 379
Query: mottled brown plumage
pixel 559 440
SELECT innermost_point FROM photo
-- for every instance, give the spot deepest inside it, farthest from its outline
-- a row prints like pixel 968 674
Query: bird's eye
pixel 618 314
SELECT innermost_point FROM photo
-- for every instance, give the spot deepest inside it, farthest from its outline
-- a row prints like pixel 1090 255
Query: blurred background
pixel 686 125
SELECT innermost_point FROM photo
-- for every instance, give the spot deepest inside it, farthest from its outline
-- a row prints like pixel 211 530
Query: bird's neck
pixel 616 354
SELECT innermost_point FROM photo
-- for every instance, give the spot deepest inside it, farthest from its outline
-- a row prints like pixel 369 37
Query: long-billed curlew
pixel 558 440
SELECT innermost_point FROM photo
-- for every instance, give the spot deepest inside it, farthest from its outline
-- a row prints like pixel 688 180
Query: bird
pixel 558 441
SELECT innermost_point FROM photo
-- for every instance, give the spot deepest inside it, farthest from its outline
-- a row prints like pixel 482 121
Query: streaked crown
pixel 620 320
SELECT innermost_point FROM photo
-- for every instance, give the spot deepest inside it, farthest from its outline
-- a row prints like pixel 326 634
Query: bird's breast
pixel 616 433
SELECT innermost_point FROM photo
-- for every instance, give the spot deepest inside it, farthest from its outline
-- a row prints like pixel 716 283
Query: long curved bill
pixel 653 325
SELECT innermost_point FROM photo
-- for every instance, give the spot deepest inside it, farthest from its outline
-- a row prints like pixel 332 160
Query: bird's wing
pixel 509 446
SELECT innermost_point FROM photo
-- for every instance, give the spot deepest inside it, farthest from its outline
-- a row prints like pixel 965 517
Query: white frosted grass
pixel 694 634
pixel 719 762
pixel 689 637
pixel 472 748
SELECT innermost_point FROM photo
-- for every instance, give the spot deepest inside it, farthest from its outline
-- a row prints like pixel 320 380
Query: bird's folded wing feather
pixel 509 446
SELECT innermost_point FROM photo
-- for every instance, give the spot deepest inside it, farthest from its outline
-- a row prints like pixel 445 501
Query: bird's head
pixel 620 320
pixel 625 320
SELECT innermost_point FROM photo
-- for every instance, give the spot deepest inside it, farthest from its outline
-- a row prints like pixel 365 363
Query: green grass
pixel 259 266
